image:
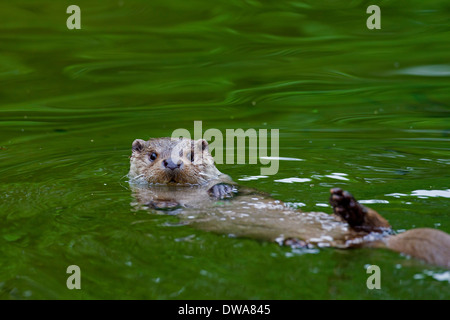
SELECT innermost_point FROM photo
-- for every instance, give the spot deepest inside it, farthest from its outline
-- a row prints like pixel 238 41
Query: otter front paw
pixel 221 191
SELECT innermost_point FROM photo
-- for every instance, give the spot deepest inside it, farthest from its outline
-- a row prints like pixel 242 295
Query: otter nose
pixel 169 164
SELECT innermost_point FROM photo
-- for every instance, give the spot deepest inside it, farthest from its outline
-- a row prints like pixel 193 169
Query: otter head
pixel 172 161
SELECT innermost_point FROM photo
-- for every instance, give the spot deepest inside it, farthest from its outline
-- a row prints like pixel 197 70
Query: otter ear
pixel 138 145
pixel 203 144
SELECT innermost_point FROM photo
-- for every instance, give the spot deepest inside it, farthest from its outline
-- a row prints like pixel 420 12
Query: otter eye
pixel 191 155
pixel 153 156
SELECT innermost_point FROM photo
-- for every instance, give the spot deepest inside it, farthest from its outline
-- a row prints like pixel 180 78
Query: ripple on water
pixel 439 276
pixel 423 194
pixel 441 70
pixel 292 180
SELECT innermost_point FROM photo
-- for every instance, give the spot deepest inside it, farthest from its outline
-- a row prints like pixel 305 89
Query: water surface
pixel 366 110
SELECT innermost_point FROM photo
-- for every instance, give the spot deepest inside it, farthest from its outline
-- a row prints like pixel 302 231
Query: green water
pixel 370 105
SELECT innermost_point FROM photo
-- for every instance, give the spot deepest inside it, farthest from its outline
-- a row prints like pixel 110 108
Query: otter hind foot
pixel 345 206
pixel 355 214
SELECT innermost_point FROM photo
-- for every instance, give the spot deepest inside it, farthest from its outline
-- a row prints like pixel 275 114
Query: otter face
pixel 171 161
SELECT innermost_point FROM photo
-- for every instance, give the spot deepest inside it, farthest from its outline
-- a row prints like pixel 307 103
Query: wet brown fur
pixel 199 171
pixel 254 214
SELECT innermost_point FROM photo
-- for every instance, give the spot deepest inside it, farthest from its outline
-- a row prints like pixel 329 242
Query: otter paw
pixel 345 206
pixel 163 205
pixel 221 191
pixel 296 243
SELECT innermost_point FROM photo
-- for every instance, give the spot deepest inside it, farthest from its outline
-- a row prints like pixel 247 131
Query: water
pixel 367 110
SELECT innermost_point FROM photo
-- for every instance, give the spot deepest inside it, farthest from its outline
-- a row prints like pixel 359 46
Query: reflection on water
pixel 292 180
pixel 373 201
pixel 250 178
pixel 423 194
pixel 439 276
pixel 426 71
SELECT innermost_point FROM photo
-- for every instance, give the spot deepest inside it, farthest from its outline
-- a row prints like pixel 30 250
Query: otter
pixel 179 176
